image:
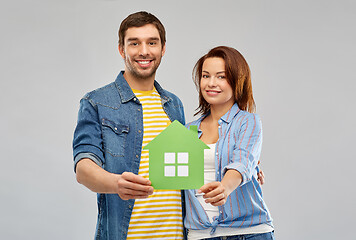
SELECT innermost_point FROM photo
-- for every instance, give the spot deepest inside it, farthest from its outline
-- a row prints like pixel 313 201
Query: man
pixel 114 123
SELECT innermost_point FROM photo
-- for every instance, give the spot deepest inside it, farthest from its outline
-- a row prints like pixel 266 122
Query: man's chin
pixel 144 75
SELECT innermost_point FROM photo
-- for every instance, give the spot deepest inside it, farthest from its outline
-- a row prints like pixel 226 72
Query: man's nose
pixel 143 51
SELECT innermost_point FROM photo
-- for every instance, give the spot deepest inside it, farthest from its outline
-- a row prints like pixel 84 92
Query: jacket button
pixel 136 156
pixel 139 110
pixel 139 131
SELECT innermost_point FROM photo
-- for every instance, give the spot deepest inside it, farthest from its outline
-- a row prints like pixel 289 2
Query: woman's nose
pixel 212 81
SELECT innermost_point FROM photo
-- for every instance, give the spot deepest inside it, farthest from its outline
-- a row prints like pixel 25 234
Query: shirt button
pixel 216 154
pixel 219 127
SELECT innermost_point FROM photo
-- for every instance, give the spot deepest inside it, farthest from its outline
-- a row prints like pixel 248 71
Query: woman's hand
pixel 214 193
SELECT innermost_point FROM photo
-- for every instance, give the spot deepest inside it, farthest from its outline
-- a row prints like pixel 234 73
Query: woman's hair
pixel 237 74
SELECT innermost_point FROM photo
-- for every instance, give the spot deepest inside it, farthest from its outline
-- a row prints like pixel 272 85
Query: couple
pixel 116 121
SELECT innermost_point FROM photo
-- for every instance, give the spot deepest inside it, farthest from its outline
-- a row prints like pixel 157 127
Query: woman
pixel 229 205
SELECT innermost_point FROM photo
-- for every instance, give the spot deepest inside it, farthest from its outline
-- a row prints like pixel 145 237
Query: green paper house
pixel 176 158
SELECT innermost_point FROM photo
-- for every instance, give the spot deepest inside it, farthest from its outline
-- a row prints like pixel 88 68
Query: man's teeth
pixel 144 62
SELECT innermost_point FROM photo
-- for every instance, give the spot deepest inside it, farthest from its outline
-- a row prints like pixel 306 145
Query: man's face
pixel 142 51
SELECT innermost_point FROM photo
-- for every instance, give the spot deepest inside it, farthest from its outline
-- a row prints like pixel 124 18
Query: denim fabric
pixel 109 131
pixel 238 147
pixel 257 236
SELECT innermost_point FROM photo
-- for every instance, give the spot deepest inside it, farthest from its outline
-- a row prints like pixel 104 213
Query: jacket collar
pixel 231 113
pixel 226 118
pixel 127 94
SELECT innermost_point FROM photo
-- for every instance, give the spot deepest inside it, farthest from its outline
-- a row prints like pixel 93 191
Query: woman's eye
pixel 205 76
pixel 221 77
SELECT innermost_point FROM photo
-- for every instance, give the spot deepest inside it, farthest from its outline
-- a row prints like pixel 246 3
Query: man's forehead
pixel 148 31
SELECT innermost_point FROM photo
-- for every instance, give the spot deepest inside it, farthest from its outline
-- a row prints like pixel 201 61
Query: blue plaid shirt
pixel 239 148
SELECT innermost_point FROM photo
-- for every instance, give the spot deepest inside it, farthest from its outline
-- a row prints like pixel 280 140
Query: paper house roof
pixel 176 158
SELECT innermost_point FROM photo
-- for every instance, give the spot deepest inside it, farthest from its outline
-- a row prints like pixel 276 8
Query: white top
pixel 212 211
pixel 209 176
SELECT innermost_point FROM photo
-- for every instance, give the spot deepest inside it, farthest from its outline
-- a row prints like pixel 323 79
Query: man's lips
pixel 144 63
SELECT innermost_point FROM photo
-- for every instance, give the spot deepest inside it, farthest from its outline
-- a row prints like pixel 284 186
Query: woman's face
pixel 213 84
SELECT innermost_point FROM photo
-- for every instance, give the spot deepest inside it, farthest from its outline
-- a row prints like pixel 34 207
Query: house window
pixel 176 164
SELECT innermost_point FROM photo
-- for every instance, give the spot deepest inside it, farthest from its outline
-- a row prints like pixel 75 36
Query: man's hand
pixel 132 186
pixel 261 177
pixel 215 193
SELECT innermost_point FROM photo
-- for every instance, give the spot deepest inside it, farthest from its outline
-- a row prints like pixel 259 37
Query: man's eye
pixel 133 44
pixel 152 43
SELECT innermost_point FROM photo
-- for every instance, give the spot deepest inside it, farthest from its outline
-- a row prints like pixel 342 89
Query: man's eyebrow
pixel 137 39
pixel 132 39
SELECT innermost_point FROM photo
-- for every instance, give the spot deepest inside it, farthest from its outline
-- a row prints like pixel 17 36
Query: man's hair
pixel 140 19
pixel 237 74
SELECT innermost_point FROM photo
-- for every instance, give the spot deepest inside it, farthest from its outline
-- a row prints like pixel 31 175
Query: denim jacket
pixel 110 131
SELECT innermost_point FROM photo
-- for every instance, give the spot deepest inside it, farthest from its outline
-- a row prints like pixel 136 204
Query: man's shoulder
pixel 100 91
pixel 171 95
pixel 106 95
pixel 165 93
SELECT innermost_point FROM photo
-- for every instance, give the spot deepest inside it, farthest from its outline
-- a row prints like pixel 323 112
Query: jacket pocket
pixel 114 137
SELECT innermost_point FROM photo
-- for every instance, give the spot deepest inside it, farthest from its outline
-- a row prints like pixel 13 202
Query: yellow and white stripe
pixel 160 215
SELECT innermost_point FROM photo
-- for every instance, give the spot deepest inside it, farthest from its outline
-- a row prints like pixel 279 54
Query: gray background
pixel 302 58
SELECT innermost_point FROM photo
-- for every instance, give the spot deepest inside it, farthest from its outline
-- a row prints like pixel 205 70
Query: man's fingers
pixel 123 183
pixel 132 186
pixel 131 177
pixel 261 177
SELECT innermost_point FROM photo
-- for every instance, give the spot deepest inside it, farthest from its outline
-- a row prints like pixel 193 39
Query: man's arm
pixel 127 185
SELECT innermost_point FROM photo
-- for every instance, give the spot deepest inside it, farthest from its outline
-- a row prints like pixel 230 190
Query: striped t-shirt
pixel 160 215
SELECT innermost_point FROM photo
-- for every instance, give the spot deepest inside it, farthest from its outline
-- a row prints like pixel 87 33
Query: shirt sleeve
pixel 248 143
pixel 87 141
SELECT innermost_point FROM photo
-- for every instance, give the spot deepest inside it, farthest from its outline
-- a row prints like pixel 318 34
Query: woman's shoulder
pixel 250 119
pixel 248 115
pixel 194 122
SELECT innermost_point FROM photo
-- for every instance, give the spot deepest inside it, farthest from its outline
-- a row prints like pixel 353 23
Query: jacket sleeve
pixel 87 141
pixel 181 108
pixel 247 149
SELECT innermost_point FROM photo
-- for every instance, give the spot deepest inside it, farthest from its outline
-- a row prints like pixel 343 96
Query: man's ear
pixel 122 51
pixel 163 50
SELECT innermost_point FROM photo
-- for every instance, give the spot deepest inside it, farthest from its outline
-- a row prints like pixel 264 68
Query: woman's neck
pixel 217 111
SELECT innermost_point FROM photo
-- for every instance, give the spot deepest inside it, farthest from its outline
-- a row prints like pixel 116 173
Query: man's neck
pixel 141 84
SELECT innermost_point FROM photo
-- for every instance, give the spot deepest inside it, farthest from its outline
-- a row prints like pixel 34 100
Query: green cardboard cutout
pixel 176 158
